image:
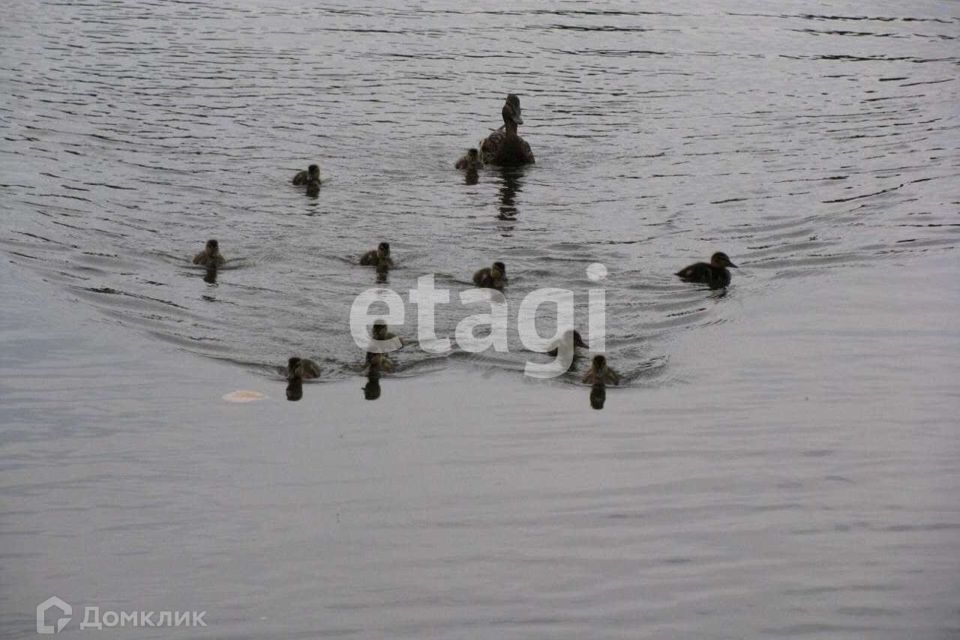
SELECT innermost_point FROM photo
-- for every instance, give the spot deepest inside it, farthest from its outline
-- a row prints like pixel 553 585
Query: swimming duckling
pixel 713 273
pixel 378 363
pixel 298 370
pixel 470 161
pixel 504 146
pixel 210 256
pixel 382 333
pixel 600 374
pixel 302 369
pixel 491 277
pixel 308 177
pixel 379 257
pixel 571 339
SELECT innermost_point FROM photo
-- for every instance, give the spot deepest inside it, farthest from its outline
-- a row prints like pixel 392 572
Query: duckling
pixel 470 161
pixel 308 177
pixel 378 363
pixel 298 370
pixel 600 374
pixel 491 277
pixel 379 257
pixel 504 146
pixel 571 339
pixel 210 256
pixel 382 333
pixel 302 369
pixel 713 273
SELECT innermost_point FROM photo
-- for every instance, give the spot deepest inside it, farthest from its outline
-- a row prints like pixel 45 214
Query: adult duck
pixel 504 146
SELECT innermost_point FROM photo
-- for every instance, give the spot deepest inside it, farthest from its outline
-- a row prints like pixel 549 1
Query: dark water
pixel 794 141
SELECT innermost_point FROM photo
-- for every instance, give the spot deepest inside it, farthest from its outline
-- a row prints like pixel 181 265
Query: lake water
pixel 780 462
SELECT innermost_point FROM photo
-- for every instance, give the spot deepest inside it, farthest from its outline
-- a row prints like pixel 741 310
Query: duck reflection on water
pixel 599 376
pixel 294 389
pixel 372 390
pixel 210 275
pixel 377 365
pixel 510 187
pixel 598 396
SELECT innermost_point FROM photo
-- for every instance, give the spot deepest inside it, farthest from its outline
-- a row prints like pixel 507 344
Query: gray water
pixel 781 462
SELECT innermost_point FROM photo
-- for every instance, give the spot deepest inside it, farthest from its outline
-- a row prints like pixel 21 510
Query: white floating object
pixel 244 395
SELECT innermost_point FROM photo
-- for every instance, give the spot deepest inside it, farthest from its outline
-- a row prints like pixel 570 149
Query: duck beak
pixel 515 116
pixel 731 265
pixel 578 342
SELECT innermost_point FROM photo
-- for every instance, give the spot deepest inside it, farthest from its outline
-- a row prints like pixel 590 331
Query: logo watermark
pixel 53 603
pixel 427 297
pixel 93 618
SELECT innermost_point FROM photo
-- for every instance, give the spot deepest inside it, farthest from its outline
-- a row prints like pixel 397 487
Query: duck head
pixel 499 270
pixel 313 173
pixel 383 250
pixel 570 339
pixel 511 111
pixel 473 159
pixel 578 340
pixel 212 248
pixel 720 259
pixel 599 363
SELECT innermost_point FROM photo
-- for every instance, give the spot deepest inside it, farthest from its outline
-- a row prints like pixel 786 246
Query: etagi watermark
pixel 427 297
pixel 93 619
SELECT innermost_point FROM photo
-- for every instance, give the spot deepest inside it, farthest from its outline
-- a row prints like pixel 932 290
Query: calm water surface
pixel 781 463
